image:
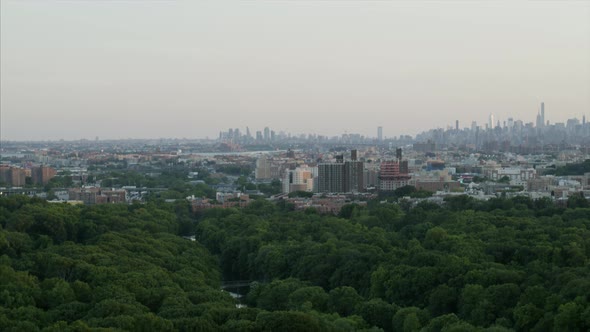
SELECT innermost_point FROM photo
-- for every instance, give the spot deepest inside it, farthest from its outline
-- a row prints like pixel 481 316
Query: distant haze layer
pixel 145 69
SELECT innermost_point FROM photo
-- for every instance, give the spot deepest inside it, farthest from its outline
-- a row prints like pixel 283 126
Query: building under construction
pixel 393 174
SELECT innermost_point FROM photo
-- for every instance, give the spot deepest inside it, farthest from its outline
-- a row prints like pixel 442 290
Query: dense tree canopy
pixel 499 265
pixel 573 169
pixel 504 264
pixel 111 266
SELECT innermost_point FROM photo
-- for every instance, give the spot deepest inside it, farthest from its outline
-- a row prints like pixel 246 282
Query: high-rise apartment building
pixel 380 134
pixel 371 175
pixel 353 176
pixel 4 173
pixel 12 176
pixel 342 176
pixel 18 177
pixel 42 174
pixel 331 177
pixel 299 179
pixel 263 169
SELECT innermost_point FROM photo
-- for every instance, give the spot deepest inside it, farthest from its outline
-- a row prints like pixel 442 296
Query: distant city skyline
pixel 116 70
pixel 267 132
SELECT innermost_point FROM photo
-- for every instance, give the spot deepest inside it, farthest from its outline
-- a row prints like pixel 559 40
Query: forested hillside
pixel 505 264
pixel 106 266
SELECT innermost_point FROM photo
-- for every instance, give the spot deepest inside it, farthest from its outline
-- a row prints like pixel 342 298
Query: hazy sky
pixel 143 69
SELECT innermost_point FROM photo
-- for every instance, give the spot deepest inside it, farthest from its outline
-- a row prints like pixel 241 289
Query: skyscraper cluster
pixel 513 135
pixel 262 136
